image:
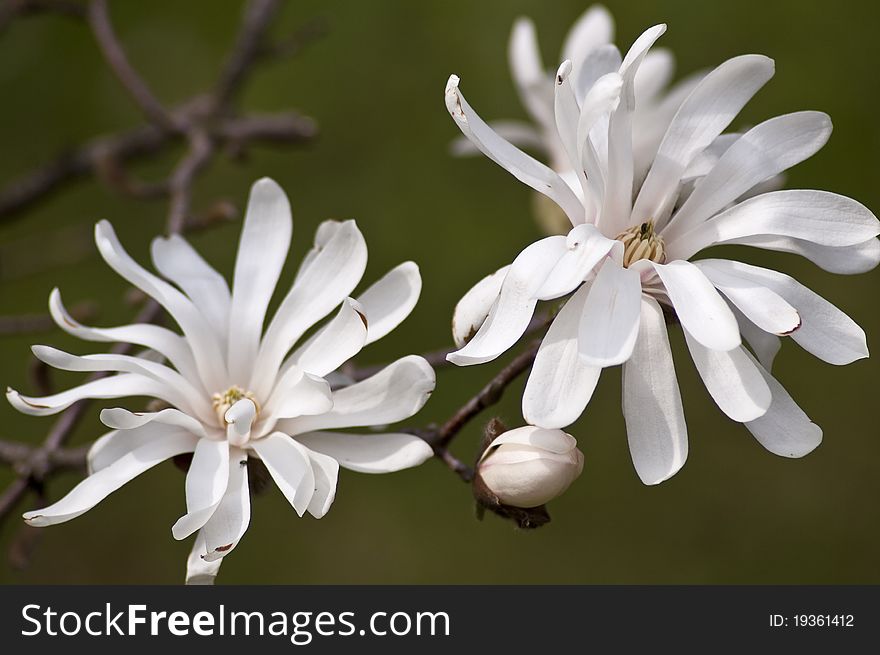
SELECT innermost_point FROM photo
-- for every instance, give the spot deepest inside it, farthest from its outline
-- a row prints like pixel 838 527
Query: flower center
pixel 641 242
pixel 221 402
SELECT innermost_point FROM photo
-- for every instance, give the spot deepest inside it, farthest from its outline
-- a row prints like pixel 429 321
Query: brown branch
pixel 201 149
pixel 12 9
pixel 114 55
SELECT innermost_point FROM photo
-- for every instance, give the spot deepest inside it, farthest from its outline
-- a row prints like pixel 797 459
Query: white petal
pixel 698 306
pixel 785 429
pixel 708 110
pixel 732 379
pixel 820 217
pixel 289 465
pixel 763 307
pixel 528 73
pixel 175 388
pixel 335 343
pixel 205 485
pixel 239 419
pixel 655 424
pixel 600 61
pixel 617 201
pixel 176 259
pixel 765 345
pixel 610 321
pixel 654 74
pixel 595 27
pixel 390 300
pixel 602 98
pixel 231 518
pixel 560 384
pixel 585 248
pixel 298 395
pixel 473 308
pixel 825 331
pixel 758 155
pixel 523 167
pixel 200 337
pixel 516 302
pixel 846 260
pixel 97 487
pixel 331 275
pixel 554 441
pixel 396 392
pixel 116 386
pixel 262 250
pixel 122 419
pixel 369 453
pixel 326 470
pixel 155 337
pixel 567 112
pixel 198 571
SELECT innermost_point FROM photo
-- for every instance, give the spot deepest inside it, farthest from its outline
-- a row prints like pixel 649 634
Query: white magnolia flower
pixel 528 466
pixel 588 45
pixel 233 391
pixel 626 261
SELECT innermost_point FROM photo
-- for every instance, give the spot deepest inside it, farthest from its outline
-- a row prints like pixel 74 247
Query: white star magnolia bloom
pixel 589 47
pixel 626 261
pixel 234 391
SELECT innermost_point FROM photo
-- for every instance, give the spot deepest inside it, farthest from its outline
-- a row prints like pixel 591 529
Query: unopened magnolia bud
pixel 528 466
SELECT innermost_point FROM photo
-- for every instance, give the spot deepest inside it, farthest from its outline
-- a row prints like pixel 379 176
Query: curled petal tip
pixel 563 72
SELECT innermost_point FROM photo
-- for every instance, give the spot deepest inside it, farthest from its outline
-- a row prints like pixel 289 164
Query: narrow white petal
pixel 762 306
pixel 820 217
pixel 732 379
pixel 765 345
pixel 523 167
pixel 155 337
pixel 176 259
pixel 654 75
pixel 198 571
pixel 706 112
pixel 532 81
pixel 390 300
pixel 699 307
pixel 200 337
pixel 239 419
pixel 116 386
pixel 598 62
pixel 396 392
pixel 585 248
pixel 617 201
pixel 369 453
pixel 335 343
pixel 758 155
pixel 289 465
pixel 205 485
pixel 231 518
pixel 655 425
pixel 560 384
pixel 845 260
pixel 785 429
pixel 262 250
pixel 825 331
pixel 594 28
pixel 326 470
pixel 122 419
pixel 554 441
pixel 97 487
pixel 602 98
pixel 610 321
pixel 567 112
pixel 513 310
pixel 303 395
pixel 330 276
pixel 519 133
pixel 473 308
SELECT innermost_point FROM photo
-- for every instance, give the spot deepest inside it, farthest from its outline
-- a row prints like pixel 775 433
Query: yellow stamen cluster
pixel 221 402
pixel 641 242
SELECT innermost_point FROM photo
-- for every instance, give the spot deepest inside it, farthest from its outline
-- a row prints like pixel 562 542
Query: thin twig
pixel 117 60
pixel 201 148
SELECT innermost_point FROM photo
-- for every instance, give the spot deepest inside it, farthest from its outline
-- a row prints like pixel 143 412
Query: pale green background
pixel 734 514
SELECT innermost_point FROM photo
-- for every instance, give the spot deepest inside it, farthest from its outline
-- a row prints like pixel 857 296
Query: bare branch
pixel 201 148
pixel 114 54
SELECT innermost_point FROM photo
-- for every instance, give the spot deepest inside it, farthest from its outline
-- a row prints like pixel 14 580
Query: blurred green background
pixel 734 514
